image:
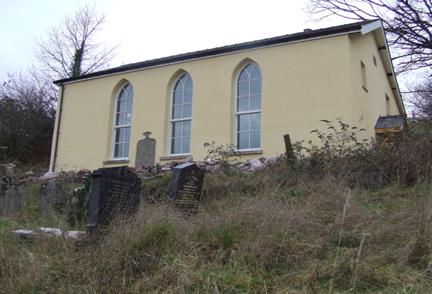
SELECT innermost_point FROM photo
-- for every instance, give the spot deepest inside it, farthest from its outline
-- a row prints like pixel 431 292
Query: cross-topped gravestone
pixel 114 192
pixel 146 150
pixel 185 187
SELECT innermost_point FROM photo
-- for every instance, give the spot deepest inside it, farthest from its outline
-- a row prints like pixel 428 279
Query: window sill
pixel 115 161
pixel 248 152
pixel 173 157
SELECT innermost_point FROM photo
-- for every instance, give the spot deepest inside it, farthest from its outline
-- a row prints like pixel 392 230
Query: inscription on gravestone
pixel 114 192
pixel 146 150
pixel 185 187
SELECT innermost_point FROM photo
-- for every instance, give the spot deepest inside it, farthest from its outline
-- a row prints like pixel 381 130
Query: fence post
pixel 289 152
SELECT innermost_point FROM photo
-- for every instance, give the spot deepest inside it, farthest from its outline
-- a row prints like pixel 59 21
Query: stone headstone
pixel 51 194
pixel 12 197
pixel 114 192
pixel 185 187
pixel 146 151
pixel 9 167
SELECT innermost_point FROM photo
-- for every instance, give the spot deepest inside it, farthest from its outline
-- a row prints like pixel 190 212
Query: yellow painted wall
pixel 302 83
pixel 370 104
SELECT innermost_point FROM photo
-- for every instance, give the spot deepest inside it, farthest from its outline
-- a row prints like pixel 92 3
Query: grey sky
pixel 146 29
pixel 22 22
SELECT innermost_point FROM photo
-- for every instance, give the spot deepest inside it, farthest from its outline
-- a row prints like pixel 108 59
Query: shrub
pixel 403 158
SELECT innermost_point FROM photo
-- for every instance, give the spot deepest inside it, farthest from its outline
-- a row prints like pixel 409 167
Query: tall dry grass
pixel 250 235
pixel 282 229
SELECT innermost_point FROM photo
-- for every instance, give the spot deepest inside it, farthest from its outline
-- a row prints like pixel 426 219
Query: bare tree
pixel 26 118
pixel 29 88
pixel 28 100
pixel 70 49
pixel 407 23
pixel 421 99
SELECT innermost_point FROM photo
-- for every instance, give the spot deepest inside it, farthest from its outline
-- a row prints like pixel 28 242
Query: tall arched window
pixel 248 108
pixel 122 122
pixel 181 115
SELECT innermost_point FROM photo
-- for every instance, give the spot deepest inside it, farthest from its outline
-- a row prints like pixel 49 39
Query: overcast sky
pixel 146 29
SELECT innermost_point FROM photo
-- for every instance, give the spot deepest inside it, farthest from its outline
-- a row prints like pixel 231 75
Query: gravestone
pixel 146 150
pixel 9 168
pixel 12 198
pixel 50 195
pixel 185 187
pixel 114 192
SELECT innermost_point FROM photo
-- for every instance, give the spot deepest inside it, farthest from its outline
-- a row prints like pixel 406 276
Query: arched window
pixel 122 122
pixel 181 115
pixel 248 108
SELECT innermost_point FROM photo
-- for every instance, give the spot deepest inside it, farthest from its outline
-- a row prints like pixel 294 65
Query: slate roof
pixel 309 34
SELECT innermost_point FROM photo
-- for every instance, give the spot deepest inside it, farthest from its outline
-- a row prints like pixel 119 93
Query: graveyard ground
pixel 332 219
pixel 251 234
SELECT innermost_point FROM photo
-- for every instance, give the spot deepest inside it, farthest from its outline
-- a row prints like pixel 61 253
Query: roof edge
pixel 363 27
pixel 378 28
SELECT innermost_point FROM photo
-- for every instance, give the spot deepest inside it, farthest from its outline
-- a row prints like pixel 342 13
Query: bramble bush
pixel 403 158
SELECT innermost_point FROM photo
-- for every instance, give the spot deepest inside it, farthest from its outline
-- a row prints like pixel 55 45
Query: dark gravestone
pixel 114 192
pixel 185 187
pixel 146 151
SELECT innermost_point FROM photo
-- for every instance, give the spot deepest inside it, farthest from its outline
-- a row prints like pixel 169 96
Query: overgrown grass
pixel 313 224
pixel 251 235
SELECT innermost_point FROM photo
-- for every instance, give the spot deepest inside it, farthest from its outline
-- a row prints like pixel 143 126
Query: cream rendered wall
pixel 302 83
pixel 370 104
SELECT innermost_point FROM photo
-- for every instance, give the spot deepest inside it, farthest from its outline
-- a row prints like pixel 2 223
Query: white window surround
pixel 122 123
pixel 180 116
pixel 250 112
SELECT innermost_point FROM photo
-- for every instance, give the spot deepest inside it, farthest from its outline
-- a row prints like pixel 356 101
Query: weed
pixel 221 154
